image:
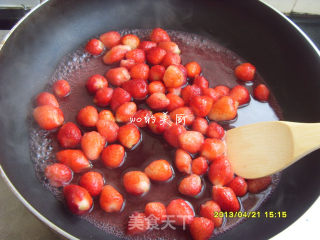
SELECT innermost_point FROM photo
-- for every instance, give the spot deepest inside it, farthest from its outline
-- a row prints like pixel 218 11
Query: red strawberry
pixel 191 141
pixel 159 170
pixel 93 182
pixel 239 186
pixel 261 93
pixel 136 182
pixel 158 101
pixel 159 122
pixel 103 96
pixel 96 82
pixel 222 90
pixel 156 73
pixel 175 91
pixel 140 71
pixel 201 82
pixel 92 144
pixel 208 210
pixel 142 117
pixel 199 166
pixel 190 185
pixel 137 88
pixel 224 109
pixel 226 198
pixel 131 40
pixel 46 98
pixel 129 135
pixel 48 117
pixel 240 94
pixel 220 172
pixel 159 35
pixel 180 212
pixel 88 116
pixel 171 134
pixel 61 88
pixel 127 63
pixel 106 115
pixel 117 76
pixel 189 92
pixel 157 210
pixel 108 129
pixel 110 39
pixel 171 59
pixel 156 86
pixel 125 112
pixel 259 184
pixel 138 223
pixel 210 92
pixel 212 149
pixel 115 54
pixel 77 198
pixel 58 174
pixel 200 125
pixel 94 47
pixel 110 199
pixel 215 131
pixel 174 77
pixel 201 105
pixel 69 135
pixel 156 55
pixel 119 97
pixel 245 72
pixel 182 115
pixel 113 156
pixel 147 45
pixel 175 102
pixel 75 159
pixel 183 161
pixel 170 47
pixel 201 228
pixel 193 69
pixel 137 55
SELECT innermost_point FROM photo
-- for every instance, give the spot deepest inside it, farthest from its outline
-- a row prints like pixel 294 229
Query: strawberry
pixel 140 71
pixel 130 40
pixel 46 98
pixel 201 105
pixel 190 185
pixel 182 115
pixel 159 122
pixel 191 141
pixel 222 90
pixel 189 92
pixel 158 101
pixel 175 102
pixel 220 172
pixel 103 96
pixel 110 199
pixel 199 166
pixel 147 45
pixel 129 135
pixel 142 117
pixel 239 186
pixel 201 82
pixel 96 82
pixel 261 93
pixel 61 88
pixel 156 55
pixel 159 35
pixel 156 73
pixel 215 131
pixel 93 182
pixel 200 125
pixel 240 94
pixel 183 161
pixel 208 210
pixel 78 199
pixel 157 210
pixel 119 97
pixel 210 92
pixel 224 109
pixel 137 88
pixel 175 91
pixel 171 134
pixel 156 86
pixel 117 76
pixel 174 77
pixel 108 129
pixel 212 148
pixel 48 117
pixel 245 72
pixel 94 47
pixel 169 47
pixel 180 211
pixel 113 156
pixel 58 174
pixel 74 159
pixel 115 54
pixel 226 198
pixel 193 69
pixel 92 144
pixel 69 135
pixel 88 116
pixel 137 55
pixel 171 59
pixel 159 170
pixel 138 223
pixel 125 112
pixel 201 228
pixel 136 182
pixel 127 63
pixel 106 115
pixel 259 184
pixel 110 39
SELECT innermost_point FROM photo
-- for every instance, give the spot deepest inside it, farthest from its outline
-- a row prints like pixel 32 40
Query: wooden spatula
pixel 264 148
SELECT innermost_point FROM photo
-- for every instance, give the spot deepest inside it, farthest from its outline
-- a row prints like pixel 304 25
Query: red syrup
pixel 217 65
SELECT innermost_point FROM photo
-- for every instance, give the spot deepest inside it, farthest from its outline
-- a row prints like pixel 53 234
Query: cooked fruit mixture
pixel 148 91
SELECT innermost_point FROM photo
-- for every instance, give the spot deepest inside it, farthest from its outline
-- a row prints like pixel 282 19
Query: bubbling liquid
pixel 217 65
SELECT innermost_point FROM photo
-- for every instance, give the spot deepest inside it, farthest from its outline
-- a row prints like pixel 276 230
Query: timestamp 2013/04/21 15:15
pixel 254 214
